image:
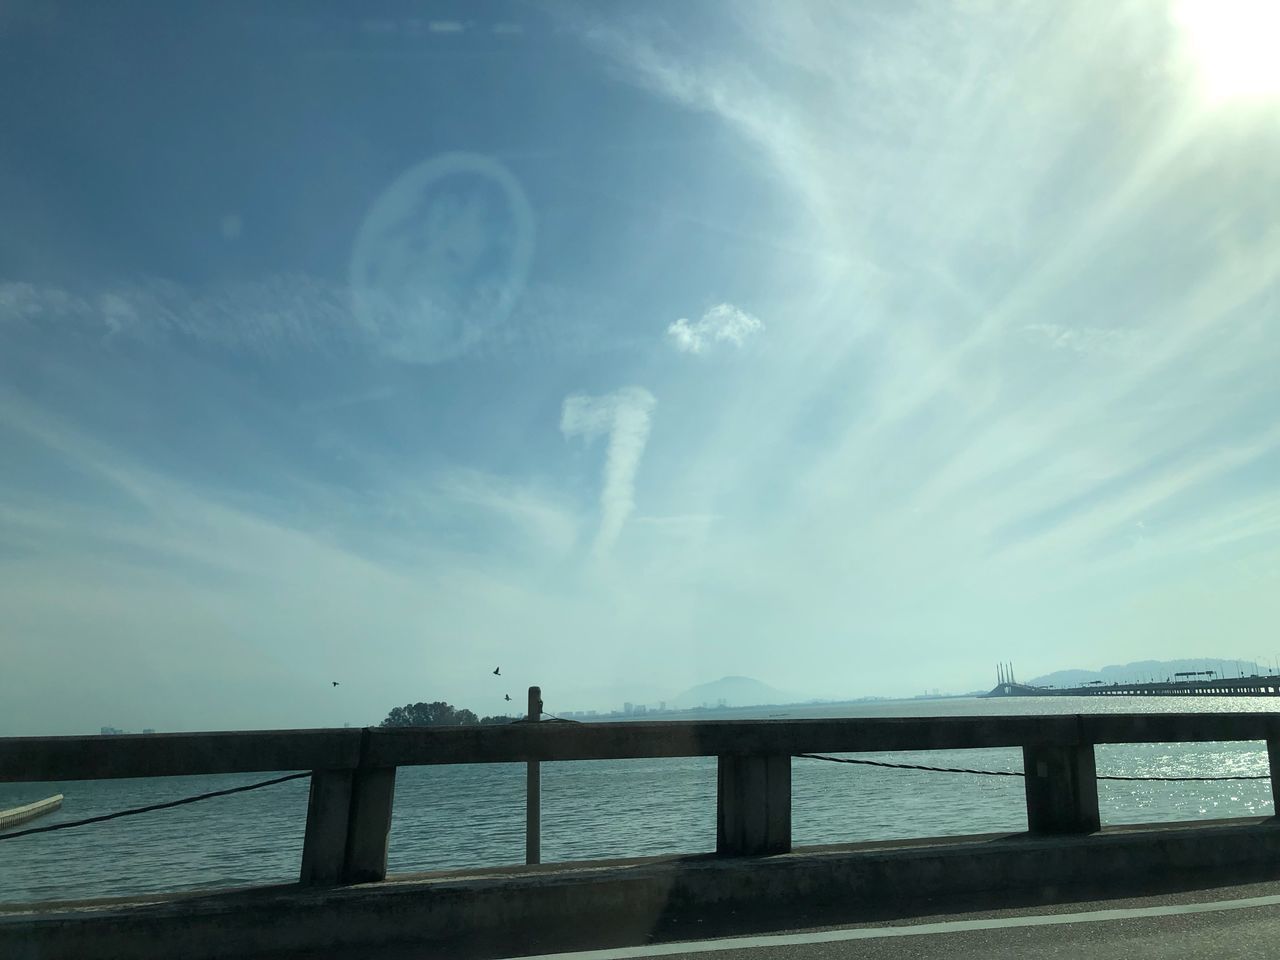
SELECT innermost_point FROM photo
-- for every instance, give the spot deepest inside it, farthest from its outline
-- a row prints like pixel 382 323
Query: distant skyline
pixel 737 693
pixel 851 347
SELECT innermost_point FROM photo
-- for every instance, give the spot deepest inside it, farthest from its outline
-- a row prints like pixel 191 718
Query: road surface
pixel 1220 923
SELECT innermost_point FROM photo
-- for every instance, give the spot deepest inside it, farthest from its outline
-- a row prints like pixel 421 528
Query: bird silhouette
pixel 497 671
pixel 335 683
pixel 508 698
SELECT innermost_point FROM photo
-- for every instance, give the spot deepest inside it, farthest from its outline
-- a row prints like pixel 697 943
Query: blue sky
pixel 852 348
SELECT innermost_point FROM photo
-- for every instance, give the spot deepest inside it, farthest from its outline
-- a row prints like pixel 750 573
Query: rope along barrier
pixel 1019 773
pixel 155 806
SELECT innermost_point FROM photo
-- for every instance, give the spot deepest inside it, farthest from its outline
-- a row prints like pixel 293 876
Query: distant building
pixel 640 709
pixel 662 706
pixel 628 708
pixel 148 729
pixel 109 731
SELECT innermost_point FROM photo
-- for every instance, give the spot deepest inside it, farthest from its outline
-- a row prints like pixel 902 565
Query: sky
pixel 849 347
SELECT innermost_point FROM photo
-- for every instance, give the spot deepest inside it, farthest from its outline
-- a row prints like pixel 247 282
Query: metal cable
pixel 1018 773
pixel 1251 776
pixel 561 719
pixel 155 806
pixel 912 766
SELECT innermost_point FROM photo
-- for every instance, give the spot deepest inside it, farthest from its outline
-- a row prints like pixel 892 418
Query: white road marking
pixel 910 930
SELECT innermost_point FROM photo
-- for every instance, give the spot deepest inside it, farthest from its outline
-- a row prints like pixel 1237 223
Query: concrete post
pixel 324 846
pixel 1273 755
pixel 533 790
pixel 753 805
pixel 369 825
pixel 1062 789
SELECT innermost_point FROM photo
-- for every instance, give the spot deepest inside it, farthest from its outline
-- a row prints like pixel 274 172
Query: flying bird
pixel 497 671
pixel 335 683
pixel 508 698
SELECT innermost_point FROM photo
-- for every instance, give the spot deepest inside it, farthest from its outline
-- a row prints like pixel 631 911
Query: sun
pixel 1235 45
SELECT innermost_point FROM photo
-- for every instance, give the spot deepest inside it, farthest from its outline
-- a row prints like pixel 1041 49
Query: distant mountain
pixel 735 692
pixel 1147 670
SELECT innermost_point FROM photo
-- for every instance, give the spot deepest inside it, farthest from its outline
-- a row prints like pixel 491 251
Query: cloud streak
pixel 622 416
pixel 281 316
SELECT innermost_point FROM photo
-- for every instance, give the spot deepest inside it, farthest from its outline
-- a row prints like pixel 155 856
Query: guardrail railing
pixel 353 771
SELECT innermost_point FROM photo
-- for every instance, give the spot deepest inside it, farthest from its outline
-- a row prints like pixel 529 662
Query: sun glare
pixel 1235 45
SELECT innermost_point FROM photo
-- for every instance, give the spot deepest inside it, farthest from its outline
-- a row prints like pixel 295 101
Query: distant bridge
pixel 1185 686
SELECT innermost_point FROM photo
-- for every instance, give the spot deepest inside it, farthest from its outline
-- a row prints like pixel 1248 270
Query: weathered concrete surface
pixel 753 805
pixel 324 845
pixel 1062 789
pixel 544 905
pixel 53 759
pixel 16 815
pixel 178 754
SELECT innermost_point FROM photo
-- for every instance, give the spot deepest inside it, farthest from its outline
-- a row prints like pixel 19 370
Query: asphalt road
pixel 1232 922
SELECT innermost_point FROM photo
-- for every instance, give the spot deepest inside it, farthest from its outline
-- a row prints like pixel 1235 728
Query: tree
pixel 436 714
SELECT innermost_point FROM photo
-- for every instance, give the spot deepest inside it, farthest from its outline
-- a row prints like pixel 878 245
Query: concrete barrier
pixel 16 815
pixel 604 904
pixel 353 771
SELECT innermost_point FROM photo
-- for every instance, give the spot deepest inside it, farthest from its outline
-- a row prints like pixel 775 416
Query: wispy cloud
pixel 268 317
pixel 552 528
pixel 1091 341
pixel 623 417
pixel 722 324
pixel 282 315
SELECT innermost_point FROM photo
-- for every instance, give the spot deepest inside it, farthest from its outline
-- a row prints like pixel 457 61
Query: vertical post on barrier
pixel 533 790
pixel 324 846
pixel 753 805
pixel 1062 789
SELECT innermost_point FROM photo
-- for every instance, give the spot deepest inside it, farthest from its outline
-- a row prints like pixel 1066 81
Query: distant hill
pixel 1145 670
pixel 735 692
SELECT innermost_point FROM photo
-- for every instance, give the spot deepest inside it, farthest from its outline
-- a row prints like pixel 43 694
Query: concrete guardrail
pixel 353 771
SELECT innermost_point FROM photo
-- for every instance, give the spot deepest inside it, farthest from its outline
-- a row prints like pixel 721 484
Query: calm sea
pixel 473 815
